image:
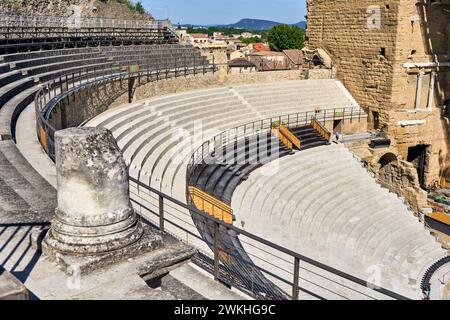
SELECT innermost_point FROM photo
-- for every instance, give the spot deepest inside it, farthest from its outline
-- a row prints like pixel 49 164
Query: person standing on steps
pixel 338 136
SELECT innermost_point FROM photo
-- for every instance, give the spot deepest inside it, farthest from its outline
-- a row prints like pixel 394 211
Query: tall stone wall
pixel 370 41
pixel 423 36
pixel 341 27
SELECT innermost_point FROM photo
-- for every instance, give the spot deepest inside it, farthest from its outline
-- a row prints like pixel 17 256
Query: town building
pixel 198 38
pixel 268 60
pixel 241 65
pixel 294 58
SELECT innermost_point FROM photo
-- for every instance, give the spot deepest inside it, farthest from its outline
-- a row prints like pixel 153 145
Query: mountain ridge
pixel 259 24
pixel 253 24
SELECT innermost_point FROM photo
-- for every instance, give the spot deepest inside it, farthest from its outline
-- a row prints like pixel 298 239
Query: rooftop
pixel 241 62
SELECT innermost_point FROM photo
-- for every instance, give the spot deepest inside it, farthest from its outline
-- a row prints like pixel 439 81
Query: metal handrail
pixel 293 120
pixel 68 84
pixel 43 107
pixel 75 22
pixel 297 257
pixel 321 129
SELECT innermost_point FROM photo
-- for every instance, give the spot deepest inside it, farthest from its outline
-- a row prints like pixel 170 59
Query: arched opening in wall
pixel 446 109
pixel 446 176
pixel 419 157
pixel 387 159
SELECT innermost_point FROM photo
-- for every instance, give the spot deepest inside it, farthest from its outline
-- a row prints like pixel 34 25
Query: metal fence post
pixel 194 63
pixel 216 251
pixel 296 279
pixel 204 66
pixel 161 213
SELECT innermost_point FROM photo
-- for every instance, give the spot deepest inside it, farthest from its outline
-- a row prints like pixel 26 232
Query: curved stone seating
pixel 329 208
pixel 147 133
pixel 143 129
pixel 25 196
pixel 13 39
pixel 26 71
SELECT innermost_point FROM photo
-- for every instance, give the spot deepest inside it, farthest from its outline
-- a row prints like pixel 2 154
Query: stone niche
pixel 95 225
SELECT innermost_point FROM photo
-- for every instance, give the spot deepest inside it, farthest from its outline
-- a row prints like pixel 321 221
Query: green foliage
pixel 250 40
pixel 285 37
pixel 138 7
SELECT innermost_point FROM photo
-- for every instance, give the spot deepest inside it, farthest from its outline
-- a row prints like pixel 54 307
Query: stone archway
pixel 446 175
pixel 446 109
pixel 419 156
pixel 387 159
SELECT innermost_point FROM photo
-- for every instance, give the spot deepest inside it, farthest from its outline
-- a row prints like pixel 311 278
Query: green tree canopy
pixel 250 40
pixel 284 37
pixel 139 7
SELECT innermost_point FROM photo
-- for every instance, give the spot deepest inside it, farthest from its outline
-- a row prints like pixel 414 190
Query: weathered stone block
pixel 95 225
pixel 11 288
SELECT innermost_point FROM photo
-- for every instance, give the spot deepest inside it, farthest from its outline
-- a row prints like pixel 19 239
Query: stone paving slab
pixel 11 288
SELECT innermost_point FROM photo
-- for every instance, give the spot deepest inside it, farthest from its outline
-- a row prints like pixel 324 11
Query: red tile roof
pixel 199 35
pixel 260 47
pixel 241 62
pixel 296 56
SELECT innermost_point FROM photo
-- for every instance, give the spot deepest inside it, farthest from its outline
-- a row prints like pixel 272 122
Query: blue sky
pixel 226 11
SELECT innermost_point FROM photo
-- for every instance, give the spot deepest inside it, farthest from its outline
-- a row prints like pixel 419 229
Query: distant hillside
pixel 119 9
pixel 301 24
pixel 253 24
pixel 257 24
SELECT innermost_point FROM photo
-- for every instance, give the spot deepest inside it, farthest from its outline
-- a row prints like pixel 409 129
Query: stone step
pixel 36 190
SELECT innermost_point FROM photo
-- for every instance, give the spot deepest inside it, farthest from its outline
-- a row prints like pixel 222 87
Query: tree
pixel 139 7
pixel 250 40
pixel 283 37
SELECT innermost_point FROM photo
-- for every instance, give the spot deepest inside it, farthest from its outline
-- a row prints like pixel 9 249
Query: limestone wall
pixel 401 177
pixel 370 41
pixel 341 28
pixel 86 104
pixel 398 175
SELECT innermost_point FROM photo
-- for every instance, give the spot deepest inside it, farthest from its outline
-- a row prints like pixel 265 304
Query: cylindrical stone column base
pixel 94 213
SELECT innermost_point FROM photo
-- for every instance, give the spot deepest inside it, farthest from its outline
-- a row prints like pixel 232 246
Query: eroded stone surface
pixel 94 225
pixel 94 213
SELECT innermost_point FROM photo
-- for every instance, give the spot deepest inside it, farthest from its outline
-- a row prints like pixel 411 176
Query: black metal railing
pixel 78 22
pixel 294 120
pixel 291 272
pixel 65 86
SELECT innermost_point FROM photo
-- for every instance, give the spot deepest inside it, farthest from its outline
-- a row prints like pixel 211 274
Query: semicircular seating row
pixel 225 168
pixel 323 203
pixel 159 135
pixel 24 74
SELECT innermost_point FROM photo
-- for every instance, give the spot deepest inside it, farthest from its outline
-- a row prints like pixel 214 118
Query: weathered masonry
pixel 393 56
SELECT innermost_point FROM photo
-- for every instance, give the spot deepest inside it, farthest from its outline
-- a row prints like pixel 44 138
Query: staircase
pixel 309 137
